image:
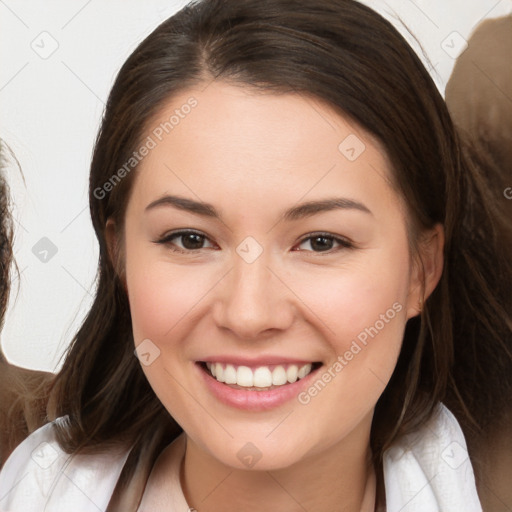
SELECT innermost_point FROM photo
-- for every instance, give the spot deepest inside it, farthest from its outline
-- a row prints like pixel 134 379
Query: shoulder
pixel 430 469
pixel 39 475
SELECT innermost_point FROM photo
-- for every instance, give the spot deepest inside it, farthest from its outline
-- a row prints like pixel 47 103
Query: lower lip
pixel 254 400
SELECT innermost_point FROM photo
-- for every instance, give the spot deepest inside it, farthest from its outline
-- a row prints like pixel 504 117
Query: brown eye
pixel 192 241
pixel 184 241
pixel 323 242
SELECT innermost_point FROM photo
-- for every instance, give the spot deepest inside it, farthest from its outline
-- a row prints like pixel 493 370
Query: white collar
pixel 430 470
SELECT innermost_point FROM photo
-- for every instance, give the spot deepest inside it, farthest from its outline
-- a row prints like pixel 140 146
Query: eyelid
pixel 168 236
pixel 344 243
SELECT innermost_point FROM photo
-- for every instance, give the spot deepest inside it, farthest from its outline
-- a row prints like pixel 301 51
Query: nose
pixel 253 302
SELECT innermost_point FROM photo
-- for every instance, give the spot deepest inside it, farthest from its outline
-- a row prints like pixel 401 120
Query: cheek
pixel 160 295
pixel 350 302
pixel 363 311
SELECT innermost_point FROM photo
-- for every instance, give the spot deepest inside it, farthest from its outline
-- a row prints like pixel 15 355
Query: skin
pixel 253 156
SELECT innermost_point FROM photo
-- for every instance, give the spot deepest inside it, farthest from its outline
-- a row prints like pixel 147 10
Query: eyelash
pixel 167 240
pixel 344 243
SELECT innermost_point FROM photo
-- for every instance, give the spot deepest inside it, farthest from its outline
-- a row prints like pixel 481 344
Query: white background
pixel 50 112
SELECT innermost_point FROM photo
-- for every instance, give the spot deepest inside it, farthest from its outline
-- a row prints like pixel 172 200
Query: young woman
pixel 296 247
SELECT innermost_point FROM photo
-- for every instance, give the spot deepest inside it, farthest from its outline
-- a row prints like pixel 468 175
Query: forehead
pixel 225 141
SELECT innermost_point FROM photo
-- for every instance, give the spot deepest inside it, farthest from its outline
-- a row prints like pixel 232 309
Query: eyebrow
pixel 313 207
pixel 189 205
pixel 300 211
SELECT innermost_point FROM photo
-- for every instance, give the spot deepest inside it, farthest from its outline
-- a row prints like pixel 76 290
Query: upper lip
pixel 255 362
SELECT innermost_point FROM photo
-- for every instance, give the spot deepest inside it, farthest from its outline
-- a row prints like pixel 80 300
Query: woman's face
pixel 298 262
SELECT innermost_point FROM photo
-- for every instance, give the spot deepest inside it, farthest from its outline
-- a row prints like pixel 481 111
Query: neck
pixel 341 479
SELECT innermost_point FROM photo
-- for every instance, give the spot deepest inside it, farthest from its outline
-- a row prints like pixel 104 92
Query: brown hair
pixel 350 57
pixel 23 393
pixel 6 237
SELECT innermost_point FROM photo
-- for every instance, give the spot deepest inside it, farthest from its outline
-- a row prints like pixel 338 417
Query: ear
pixel 427 269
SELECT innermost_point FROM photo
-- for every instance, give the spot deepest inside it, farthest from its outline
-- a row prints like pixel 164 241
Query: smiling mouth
pixel 262 378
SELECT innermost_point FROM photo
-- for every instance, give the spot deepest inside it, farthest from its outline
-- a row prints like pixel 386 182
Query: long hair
pixel 350 57
pixel 6 237
pixel 23 392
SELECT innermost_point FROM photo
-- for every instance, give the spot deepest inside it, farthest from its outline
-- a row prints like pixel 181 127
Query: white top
pixel 428 471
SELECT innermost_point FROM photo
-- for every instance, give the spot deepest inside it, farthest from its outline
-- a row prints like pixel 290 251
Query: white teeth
pixel 219 372
pixel 291 373
pixel 304 371
pixel 279 376
pixel 211 367
pixel 244 376
pixel 230 374
pixel 261 377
